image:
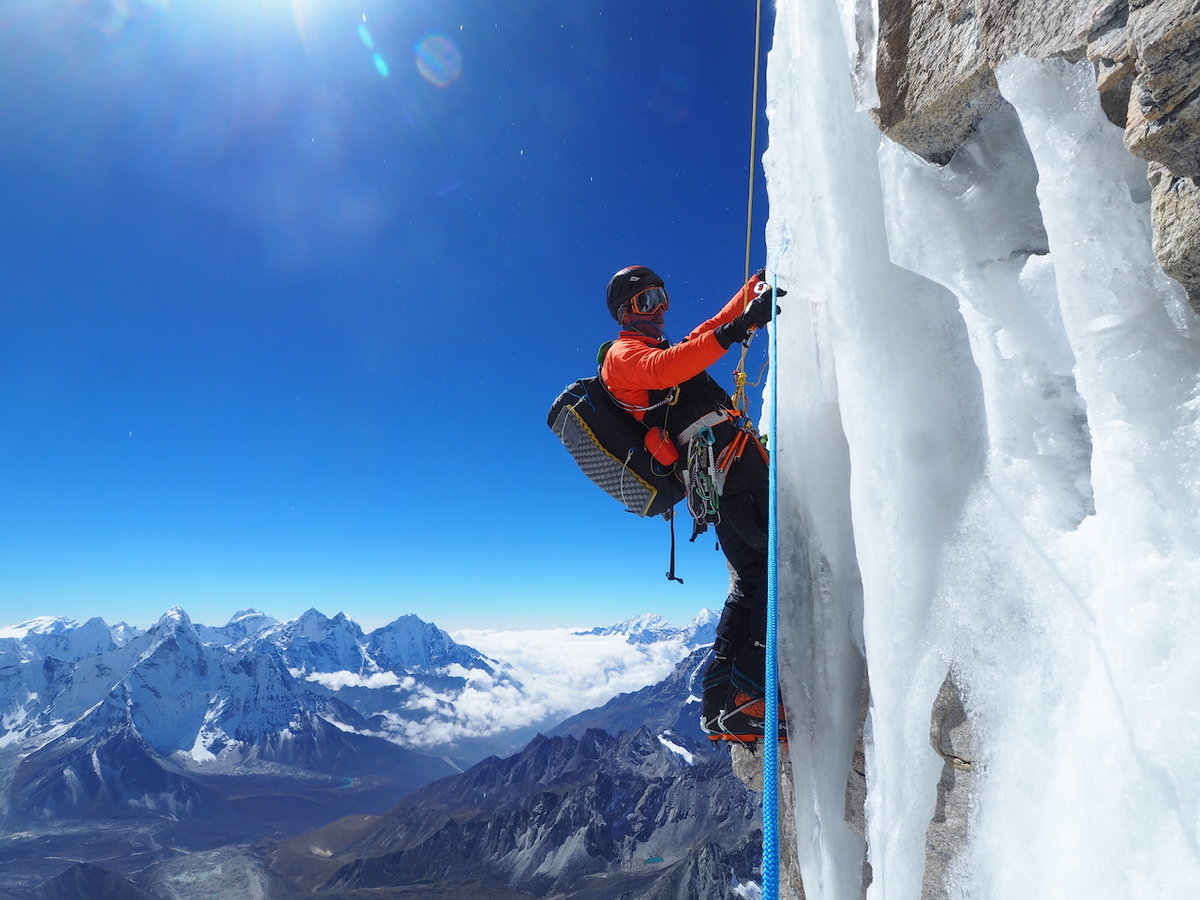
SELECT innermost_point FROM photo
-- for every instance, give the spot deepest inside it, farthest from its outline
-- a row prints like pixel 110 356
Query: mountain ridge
pixel 582 813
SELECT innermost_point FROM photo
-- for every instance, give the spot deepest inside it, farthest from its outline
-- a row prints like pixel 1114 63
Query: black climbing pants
pixel 742 532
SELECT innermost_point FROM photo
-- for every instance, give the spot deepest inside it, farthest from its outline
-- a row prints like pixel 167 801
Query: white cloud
pixel 544 677
pixel 335 681
pixel 567 673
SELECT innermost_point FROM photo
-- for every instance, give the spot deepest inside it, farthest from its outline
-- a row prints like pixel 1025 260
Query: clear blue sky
pixel 282 314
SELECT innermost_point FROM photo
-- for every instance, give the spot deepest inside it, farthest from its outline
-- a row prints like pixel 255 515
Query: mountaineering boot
pixel 715 695
pixel 733 708
pixel 745 718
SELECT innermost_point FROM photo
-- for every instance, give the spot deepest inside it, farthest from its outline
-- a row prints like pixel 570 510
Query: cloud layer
pixel 543 677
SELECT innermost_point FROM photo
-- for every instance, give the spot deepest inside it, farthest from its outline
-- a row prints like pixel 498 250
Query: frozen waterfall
pixel 990 467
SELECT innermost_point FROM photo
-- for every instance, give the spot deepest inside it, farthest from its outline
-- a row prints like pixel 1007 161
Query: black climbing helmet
pixel 625 284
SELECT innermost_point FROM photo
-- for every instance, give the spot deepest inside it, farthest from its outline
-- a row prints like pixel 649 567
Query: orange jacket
pixel 637 364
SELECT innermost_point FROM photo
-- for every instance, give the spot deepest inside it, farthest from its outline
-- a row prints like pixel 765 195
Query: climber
pixel 721 460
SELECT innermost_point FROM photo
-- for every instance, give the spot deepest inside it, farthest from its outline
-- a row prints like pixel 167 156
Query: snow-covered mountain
pixel 409 644
pixel 651 629
pixel 316 643
pixel 146 727
pixel 59 637
pixel 242 625
pixel 628 800
pixel 98 720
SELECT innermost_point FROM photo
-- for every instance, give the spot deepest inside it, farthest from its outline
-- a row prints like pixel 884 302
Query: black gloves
pixel 731 332
pixel 757 314
pixel 764 287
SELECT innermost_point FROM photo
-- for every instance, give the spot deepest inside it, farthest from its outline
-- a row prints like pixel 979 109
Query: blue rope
pixel 770 800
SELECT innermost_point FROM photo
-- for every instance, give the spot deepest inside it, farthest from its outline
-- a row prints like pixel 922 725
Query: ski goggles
pixel 649 301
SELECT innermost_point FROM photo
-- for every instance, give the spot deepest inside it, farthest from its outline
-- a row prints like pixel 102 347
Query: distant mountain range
pixel 256 727
pixel 651 628
pixel 161 722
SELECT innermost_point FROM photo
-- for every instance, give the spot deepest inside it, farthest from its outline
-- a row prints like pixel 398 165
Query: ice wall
pixel 990 465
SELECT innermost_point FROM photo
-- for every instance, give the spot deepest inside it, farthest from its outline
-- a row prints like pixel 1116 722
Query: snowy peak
pixel 42 625
pixel 175 630
pixel 123 633
pixel 650 628
pixel 250 621
pixel 244 615
pixel 316 643
pixel 410 644
pixel 245 624
pixel 170 684
pixel 173 620
pixel 314 625
pixel 703 628
pixel 58 637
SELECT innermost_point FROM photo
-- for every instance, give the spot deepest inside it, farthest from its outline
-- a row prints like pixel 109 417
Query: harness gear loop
pixel 700 478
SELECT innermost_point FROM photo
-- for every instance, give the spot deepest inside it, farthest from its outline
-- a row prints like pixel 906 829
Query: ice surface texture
pixel 990 466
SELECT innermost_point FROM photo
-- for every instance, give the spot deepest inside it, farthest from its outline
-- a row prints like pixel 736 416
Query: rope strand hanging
pixel 740 403
pixel 770 755
pixel 770 851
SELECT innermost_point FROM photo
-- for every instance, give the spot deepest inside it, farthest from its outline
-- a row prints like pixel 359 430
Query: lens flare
pixel 109 16
pixel 438 60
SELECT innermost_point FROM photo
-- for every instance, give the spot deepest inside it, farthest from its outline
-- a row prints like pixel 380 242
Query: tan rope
pixel 739 375
pixel 753 135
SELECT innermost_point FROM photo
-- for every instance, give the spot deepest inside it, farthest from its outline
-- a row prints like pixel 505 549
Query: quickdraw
pixel 733 451
pixel 703 481
pixel 706 470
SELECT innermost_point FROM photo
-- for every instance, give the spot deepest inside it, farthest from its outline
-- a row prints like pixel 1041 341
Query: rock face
pixel 1163 39
pixel 951 736
pixel 1175 212
pixel 747 766
pixel 934 72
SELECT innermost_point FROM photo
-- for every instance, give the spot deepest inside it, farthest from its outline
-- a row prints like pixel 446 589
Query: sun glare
pixel 308 17
pixel 435 57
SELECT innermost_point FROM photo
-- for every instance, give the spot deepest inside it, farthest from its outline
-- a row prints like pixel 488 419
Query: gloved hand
pixel 757 314
pixel 764 286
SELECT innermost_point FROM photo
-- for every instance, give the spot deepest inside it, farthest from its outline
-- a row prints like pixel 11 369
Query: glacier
pixel 989 467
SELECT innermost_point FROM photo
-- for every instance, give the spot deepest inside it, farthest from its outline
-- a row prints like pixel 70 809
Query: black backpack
pixel 609 445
